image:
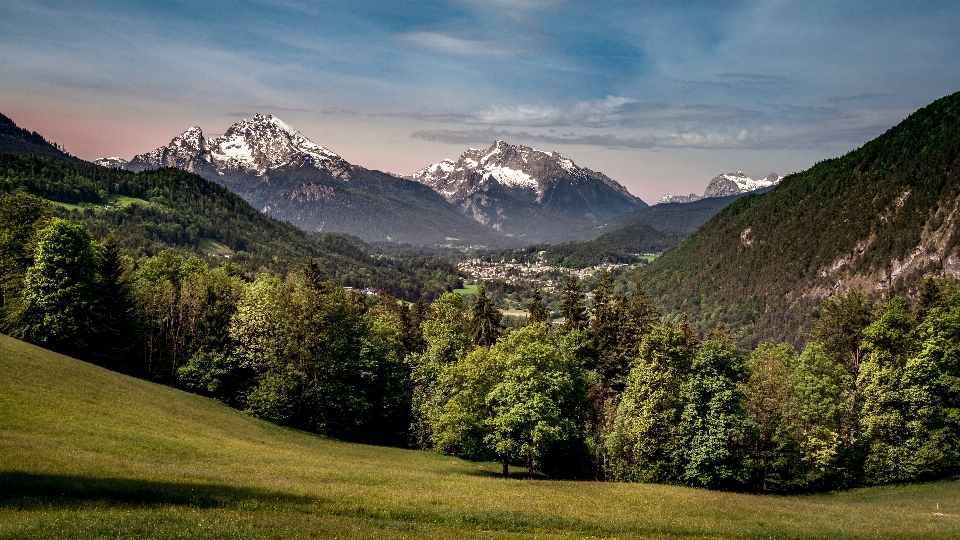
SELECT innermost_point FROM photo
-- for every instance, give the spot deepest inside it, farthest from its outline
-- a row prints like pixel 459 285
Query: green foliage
pixel 538 313
pixel 712 427
pixel 58 305
pixel 572 306
pixel 645 444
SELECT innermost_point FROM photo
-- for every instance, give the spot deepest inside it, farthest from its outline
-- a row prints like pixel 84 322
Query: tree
pixel 769 407
pixel 888 343
pixel 115 311
pixel 713 425
pixel 58 303
pixel 645 445
pixel 536 310
pixel 840 328
pixel 534 404
pixel 572 306
pixel 449 338
pixel 484 320
pixel 21 216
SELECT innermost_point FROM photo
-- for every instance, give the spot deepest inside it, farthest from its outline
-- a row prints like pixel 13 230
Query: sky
pixel 660 95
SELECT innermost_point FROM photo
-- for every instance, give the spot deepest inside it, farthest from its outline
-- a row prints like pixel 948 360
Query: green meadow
pixel 88 453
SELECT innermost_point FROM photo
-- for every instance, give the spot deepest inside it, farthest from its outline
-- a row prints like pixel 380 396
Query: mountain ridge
pixel 527 193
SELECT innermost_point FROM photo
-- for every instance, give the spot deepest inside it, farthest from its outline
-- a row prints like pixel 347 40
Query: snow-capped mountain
pixel 527 192
pixel 724 185
pixel 277 169
pixel 111 162
pixel 249 147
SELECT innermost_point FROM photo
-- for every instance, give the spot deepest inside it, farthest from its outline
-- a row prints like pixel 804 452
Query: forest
pixel 616 392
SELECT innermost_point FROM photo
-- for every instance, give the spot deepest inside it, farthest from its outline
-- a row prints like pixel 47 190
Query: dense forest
pixel 877 219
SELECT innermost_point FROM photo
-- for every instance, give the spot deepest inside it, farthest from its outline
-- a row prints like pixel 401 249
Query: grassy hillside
pixel 876 219
pixel 88 453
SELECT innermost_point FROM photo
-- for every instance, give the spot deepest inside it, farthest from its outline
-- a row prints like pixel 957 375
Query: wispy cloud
pixel 448 43
pixel 858 97
pixel 629 124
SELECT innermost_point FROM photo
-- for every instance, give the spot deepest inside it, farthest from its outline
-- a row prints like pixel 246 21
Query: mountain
pixel 527 193
pixel 725 185
pixel 153 210
pixel 281 172
pixel 15 139
pixel 876 219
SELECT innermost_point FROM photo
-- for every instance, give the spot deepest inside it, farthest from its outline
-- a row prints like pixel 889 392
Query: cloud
pixel 628 124
pixel 858 97
pixel 449 44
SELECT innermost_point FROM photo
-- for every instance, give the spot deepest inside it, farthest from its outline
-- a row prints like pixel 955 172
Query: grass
pixel 468 289
pixel 88 453
pixel 212 247
pixel 118 201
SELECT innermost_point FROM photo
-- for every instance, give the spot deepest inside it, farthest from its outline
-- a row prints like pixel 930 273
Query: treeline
pixel 179 210
pixel 616 392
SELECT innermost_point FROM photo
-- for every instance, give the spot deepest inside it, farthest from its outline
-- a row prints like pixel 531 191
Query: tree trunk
pixel 506 468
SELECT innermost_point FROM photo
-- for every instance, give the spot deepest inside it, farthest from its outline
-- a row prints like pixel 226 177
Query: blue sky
pixel 660 95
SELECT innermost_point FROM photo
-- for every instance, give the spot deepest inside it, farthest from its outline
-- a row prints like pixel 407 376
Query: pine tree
pixel 484 320
pixel 572 306
pixel 536 310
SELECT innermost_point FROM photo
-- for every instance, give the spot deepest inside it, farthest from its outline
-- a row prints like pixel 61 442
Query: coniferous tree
pixel 484 320
pixel 537 312
pixel 572 306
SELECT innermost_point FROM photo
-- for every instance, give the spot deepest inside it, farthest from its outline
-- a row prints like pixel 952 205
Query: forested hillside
pixel 625 245
pixel 150 211
pixel 20 141
pixel 875 220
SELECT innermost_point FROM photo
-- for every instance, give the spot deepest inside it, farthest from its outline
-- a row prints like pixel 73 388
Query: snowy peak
pixel 111 162
pixel 253 146
pixel 264 143
pixel 510 166
pixel 734 183
pixel 725 185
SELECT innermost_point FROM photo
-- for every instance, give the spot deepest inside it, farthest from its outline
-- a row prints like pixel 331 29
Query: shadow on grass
pixel 26 490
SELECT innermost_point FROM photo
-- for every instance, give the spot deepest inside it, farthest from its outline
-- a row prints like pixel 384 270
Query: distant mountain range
pixel 16 140
pixel 528 193
pixel 725 185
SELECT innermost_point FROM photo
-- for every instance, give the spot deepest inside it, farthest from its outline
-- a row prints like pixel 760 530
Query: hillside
pixel 17 140
pixel 875 219
pixel 89 453
pixel 169 208
pixel 625 245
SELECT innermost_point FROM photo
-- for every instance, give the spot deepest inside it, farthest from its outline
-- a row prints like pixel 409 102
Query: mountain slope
pixel 875 219
pixel 20 141
pixel 283 173
pixel 89 453
pixel 527 193
pixel 170 208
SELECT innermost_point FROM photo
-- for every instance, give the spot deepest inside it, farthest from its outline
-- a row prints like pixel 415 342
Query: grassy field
pixel 120 201
pixel 87 453
pixel 212 247
pixel 468 289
